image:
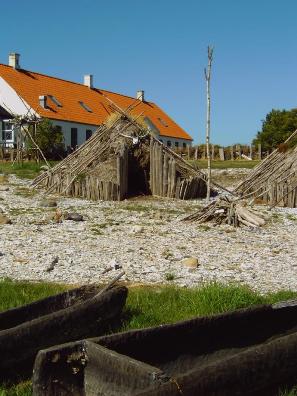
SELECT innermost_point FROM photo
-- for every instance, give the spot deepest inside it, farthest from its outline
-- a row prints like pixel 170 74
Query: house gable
pixel 72 102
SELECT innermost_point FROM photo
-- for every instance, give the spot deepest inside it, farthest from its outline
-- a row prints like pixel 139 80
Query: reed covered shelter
pixel 123 159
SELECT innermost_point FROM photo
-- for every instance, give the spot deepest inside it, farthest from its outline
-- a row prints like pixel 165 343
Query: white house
pixel 78 109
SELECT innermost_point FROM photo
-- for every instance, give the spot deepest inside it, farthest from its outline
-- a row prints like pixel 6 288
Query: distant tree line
pixel 277 127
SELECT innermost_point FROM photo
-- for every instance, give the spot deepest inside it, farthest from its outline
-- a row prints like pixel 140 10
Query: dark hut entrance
pixel 138 172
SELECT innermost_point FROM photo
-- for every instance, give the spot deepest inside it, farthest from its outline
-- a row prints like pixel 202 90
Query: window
pixel 161 140
pixel 55 100
pixel 184 145
pixel 85 107
pixel 7 131
pixel 163 122
pixel 88 134
pixel 169 143
pixel 176 144
pixel 73 138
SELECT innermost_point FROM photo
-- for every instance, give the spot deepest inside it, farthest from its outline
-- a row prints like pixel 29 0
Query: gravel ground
pixel 146 237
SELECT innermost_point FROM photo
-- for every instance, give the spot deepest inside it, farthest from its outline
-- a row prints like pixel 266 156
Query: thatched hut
pixel 274 180
pixel 120 160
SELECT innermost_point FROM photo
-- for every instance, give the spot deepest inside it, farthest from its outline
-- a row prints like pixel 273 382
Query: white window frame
pixel 5 131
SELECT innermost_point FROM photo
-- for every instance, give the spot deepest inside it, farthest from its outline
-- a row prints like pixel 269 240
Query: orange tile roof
pixel 31 85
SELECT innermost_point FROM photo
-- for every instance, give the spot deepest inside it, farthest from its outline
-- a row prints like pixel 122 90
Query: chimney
pixel 13 60
pixel 140 95
pixel 43 101
pixel 88 80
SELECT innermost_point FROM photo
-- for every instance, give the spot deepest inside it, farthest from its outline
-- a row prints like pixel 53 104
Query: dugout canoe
pixel 245 352
pixel 69 316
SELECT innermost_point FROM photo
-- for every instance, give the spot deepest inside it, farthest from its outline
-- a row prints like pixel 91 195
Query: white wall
pixel 11 102
pixel 165 140
pixel 81 131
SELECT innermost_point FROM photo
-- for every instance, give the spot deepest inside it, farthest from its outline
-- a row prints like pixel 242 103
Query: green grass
pixel 202 164
pixel 29 170
pixel 292 392
pixel 151 306
pixel 146 306
pixel 13 294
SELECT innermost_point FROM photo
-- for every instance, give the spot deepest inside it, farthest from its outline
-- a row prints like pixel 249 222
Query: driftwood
pixel 225 210
pixel 274 180
pixel 246 352
pixel 69 316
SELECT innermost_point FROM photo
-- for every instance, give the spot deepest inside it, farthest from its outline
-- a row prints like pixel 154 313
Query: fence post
pixel 231 153
pixel 259 151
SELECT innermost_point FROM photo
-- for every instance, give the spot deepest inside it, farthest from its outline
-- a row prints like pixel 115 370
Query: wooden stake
pixel 207 78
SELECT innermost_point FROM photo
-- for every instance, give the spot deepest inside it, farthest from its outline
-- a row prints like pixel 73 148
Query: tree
pixel 276 128
pixel 49 138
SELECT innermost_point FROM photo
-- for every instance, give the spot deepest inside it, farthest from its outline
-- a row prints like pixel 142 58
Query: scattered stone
pixel 137 229
pixel 4 188
pixel 52 264
pixel 159 215
pixel 48 203
pixel 1 254
pixel 21 260
pixel 58 216
pixel 113 264
pixel 190 262
pixel 73 217
pixel 4 219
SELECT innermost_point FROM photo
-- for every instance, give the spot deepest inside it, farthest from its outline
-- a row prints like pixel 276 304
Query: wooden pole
pixel 207 74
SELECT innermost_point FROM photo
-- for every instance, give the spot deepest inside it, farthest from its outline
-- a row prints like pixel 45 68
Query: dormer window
pixel 85 107
pixel 55 100
pixel 162 122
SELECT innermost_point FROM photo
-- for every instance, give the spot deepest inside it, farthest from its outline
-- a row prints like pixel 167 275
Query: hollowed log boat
pixel 69 316
pixel 246 352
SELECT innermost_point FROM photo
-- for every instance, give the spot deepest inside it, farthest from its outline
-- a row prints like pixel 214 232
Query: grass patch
pixel 292 392
pixel 13 294
pixel 146 306
pixel 151 306
pixel 25 192
pixel 27 170
pixel 202 164
pixel 169 276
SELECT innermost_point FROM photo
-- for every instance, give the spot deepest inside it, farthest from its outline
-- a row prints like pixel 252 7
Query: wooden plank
pixel 161 159
pixel 173 178
pixel 151 181
pixel 165 174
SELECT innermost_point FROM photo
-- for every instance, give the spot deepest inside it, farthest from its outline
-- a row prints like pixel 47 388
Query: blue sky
pixel 161 47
